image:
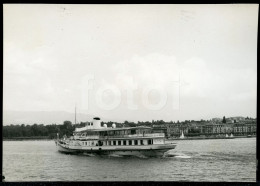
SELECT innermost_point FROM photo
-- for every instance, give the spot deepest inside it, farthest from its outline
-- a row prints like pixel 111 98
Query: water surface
pixel 192 160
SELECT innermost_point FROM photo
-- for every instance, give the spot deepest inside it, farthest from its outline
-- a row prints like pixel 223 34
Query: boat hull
pixel 146 150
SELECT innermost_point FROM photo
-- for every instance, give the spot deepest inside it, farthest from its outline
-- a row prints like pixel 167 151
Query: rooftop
pixel 112 129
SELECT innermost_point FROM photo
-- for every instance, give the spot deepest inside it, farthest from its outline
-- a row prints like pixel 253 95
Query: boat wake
pixel 115 156
pixel 176 155
pixel 129 156
pixel 141 156
pixel 89 154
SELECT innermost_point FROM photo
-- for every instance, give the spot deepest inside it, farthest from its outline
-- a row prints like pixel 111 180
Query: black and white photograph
pixel 129 92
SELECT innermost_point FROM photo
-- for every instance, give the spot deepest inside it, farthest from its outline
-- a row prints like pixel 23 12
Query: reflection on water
pixel 195 160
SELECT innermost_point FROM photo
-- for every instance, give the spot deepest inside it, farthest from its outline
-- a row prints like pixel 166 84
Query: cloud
pixel 153 68
pixel 49 49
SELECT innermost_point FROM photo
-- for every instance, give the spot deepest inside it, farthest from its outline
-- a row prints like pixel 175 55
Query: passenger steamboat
pixel 126 141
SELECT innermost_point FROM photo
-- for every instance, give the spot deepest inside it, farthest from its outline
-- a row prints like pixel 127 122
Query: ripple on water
pixel 190 161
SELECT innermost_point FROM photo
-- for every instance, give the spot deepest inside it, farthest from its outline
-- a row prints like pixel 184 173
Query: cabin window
pixel 142 142
pixel 124 142
pixel 136 142
pixel 119 142
pixel 149 142
pixel 130 142
pixel 109 143
pixel 114 142
pixel 133 132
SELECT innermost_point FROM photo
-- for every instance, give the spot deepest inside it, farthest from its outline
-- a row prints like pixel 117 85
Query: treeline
pixel 49 131
pixel 67 128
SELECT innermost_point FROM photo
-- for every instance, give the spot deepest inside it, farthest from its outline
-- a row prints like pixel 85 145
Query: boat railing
pixel 87 137
pixel 134 135
pixel 96 137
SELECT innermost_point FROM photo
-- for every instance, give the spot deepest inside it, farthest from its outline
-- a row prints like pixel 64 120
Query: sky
pixel 131 62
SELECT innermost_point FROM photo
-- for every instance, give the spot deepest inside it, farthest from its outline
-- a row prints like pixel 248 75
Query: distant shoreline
pixel 46 138
pixel 208 138
pixel 27 138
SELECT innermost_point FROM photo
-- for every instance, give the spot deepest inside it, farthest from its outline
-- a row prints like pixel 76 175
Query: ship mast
pixel 75 114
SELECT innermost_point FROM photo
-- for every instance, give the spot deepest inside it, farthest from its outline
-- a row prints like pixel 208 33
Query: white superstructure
pixel 94 138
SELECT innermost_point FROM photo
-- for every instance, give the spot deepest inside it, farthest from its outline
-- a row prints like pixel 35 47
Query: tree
pixel 67 128
pixel 224 120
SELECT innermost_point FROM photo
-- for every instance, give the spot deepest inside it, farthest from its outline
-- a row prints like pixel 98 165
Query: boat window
pixel 130 142
pixel 119 142
pixel 142 143
pixel 149 142
pixel 136 142
pixel 114 142
pixel 124 142
pixel 133 132
pixel 109 143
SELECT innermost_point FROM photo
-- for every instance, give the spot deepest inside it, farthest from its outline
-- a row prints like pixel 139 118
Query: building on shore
pixel 237 126
pixel 176 129
pixel 160 129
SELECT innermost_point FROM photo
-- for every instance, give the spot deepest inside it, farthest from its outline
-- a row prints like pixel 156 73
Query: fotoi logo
pixel 139 83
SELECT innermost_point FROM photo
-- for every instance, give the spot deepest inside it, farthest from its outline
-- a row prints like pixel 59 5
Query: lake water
pixel 193 160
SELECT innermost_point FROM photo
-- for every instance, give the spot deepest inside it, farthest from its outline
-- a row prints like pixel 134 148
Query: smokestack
pixel 96 123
